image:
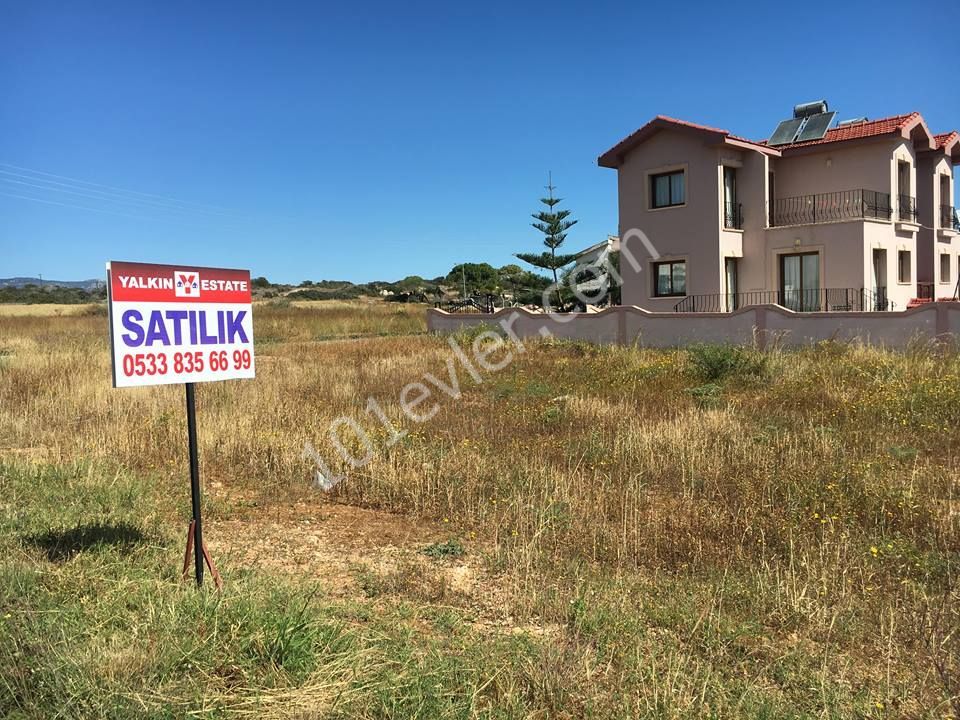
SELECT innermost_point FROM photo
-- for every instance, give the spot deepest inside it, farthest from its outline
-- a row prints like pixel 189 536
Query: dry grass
pixel 46 310
pixel 704 533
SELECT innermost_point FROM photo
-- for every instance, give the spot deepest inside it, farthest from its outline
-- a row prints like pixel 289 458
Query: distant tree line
pixel 51 295
pixel 464 279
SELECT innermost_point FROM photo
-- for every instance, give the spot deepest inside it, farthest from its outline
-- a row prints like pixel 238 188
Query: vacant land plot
pixel 587 532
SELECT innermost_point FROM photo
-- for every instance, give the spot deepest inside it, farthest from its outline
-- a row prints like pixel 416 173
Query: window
pixel 670 279
pixel 667 189
pixel 903 177
pixel 731 209
pixel 944 268
pixel 903 266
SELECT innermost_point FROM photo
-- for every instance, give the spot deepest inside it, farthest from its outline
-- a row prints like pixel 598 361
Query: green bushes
pixel 715 363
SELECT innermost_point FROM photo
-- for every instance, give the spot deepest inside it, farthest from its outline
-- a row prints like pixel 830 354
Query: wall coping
pixel 779 309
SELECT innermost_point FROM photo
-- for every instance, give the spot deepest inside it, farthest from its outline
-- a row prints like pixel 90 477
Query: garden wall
pixel 763 324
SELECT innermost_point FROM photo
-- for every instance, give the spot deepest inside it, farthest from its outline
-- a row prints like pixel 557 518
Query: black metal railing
pixel 948 218
pixel 926 291
pixel 877 300
pixel 831 207
pixel 907 208
pixel 811 300
pixel 733 215
pixel 474 304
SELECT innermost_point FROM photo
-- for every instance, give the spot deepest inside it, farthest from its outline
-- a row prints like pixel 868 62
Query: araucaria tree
pixel 553 224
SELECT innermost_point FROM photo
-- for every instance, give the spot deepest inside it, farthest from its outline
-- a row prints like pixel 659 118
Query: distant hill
pixel 19 282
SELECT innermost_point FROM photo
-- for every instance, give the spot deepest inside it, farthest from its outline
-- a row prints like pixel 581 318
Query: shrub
pixel 707 396
pixel 714 363
pixel 98 310
pixel 450 548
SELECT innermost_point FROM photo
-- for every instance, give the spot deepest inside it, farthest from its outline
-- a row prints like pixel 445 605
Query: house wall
pixel 840 246
pixel 947 241
pixel 845 248
pixel 835 168
pixel 886 237
pixel 753 188
pixel 731 239
pixel 695 232
pixel 942 167
pixel 933 239
pixel 689 232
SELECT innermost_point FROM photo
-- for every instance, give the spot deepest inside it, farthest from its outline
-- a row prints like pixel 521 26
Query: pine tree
pixel 553 224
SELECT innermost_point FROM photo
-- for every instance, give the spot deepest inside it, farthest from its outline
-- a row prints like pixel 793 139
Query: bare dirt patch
pixel 360 553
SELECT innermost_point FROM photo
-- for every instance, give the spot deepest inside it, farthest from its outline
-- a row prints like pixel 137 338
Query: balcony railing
pixel 733 216
pixel 907 208
pixel 831 207
pixel 948 218
pixel 812 300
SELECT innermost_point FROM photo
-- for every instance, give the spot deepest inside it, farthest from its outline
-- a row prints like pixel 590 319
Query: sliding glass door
pixel 800 281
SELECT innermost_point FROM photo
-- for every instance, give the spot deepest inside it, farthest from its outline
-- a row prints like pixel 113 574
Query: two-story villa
pixel 857 216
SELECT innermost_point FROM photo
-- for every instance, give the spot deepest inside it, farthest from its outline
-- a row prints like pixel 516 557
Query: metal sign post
pixel 195 484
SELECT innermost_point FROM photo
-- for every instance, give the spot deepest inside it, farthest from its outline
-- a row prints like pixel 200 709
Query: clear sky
pixel 367 141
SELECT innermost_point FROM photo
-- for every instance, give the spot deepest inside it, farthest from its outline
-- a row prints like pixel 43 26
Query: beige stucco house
pixel 860 218
pixel 595 260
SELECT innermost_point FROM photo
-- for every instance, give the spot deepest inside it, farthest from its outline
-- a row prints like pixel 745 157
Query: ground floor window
pixel 730 279
pixel 670 278
pixel 944 268
pixel 903 266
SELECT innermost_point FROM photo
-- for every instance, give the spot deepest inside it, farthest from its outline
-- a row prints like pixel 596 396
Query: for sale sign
pixel 177 324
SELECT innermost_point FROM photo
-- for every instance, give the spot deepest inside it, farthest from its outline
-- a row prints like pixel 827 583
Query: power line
pixel 99 210
pixel 121 190
pixel 103 195
pixel 124 201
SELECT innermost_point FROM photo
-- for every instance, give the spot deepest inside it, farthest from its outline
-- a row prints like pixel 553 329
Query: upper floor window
pixel 731 208
pixel 670 278
pixel 903 178
pixel 667 189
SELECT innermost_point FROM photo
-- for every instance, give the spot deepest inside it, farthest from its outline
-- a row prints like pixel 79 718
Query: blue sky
pixel 367 141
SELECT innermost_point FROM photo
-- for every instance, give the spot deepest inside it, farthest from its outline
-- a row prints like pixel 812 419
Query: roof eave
pixel 613 157
pixel 742 144
pixel 925 141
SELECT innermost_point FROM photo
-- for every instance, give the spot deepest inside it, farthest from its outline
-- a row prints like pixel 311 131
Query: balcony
pixel 949 219
pixel 811 300
pixel 733 216
pixel 831 207
pixel 907 209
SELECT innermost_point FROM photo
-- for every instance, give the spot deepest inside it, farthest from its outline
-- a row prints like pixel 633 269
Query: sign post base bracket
pixel 206 556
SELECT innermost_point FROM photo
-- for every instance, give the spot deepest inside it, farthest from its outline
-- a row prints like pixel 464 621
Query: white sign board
pixel 174 324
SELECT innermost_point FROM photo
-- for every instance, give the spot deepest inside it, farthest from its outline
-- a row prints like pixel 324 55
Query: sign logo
pixel 186 284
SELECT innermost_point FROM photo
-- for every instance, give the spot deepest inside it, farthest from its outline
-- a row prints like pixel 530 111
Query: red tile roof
pixel 685 123
pixel 612 156
pixel 697 126
pixel 944 138
pixel 870 128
